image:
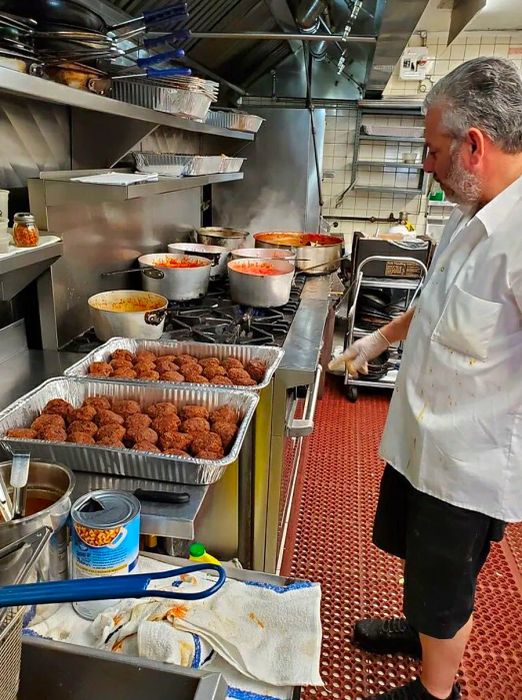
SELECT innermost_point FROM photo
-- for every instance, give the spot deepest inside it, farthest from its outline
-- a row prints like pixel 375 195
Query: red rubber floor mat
pixel 329 540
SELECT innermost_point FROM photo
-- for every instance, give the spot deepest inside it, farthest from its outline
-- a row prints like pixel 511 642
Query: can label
pixel 98 550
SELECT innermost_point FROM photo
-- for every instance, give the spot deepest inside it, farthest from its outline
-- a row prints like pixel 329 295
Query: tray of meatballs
pixel 183 363
pixel 179 434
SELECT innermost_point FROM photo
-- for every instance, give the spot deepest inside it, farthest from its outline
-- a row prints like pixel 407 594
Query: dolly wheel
pixel 351 393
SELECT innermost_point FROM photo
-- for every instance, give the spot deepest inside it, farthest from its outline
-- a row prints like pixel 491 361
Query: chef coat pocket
pixel 467 323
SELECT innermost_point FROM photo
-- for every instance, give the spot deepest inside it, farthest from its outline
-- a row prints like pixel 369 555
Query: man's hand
pixel 355 359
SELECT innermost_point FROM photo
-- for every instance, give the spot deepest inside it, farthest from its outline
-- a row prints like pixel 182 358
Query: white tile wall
pixel 340 135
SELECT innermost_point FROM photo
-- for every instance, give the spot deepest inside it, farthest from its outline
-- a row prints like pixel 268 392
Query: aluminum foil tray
pixel 240 121
pixel 184 103
pixel 126 462
pixel 231 165
pixel 270 355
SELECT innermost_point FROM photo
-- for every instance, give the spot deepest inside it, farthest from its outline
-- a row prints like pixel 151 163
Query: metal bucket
pixel 51 483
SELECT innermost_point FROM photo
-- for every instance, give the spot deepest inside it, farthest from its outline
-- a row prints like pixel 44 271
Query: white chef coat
pixel 454 428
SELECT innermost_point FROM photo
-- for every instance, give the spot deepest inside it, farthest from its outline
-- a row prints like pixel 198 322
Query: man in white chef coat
pixel 453 439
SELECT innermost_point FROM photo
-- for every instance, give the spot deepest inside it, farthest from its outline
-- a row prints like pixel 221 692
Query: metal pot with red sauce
pixel 312 250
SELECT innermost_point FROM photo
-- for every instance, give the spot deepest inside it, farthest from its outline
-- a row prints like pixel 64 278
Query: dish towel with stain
pixel 268 633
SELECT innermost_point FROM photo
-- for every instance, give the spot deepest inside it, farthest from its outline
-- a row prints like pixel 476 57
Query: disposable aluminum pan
pixel 271 356
pixel 184 103
pixel 240 121
pixel 127 462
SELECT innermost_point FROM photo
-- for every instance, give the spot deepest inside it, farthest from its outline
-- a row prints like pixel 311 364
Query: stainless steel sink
pixel 55 671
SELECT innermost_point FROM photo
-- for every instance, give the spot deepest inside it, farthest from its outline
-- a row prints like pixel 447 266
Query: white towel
pixel 270 634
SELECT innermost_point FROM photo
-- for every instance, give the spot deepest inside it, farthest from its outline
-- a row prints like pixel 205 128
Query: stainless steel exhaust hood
pixel 275 68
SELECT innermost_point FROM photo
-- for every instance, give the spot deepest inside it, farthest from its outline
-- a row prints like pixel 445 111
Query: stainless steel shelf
pixel 389 190
pixel 390 164
pixel 30 256
pixel 436 203
pixel 32 87
pixel 389 283
pixel 398 139
pixel 60 191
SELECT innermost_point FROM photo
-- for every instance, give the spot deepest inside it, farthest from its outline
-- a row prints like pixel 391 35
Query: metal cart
pixel 411 286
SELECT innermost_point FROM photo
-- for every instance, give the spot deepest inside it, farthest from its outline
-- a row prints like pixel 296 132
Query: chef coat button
pixel 442 269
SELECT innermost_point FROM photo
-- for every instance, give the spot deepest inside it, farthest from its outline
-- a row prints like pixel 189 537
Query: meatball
pixel 81 438
pixel 211 371
pixel 209 454
pixel 52 434
pixel 225 414
pixel 240 377
pixel 168 358
pixel 190 374
pixel 207 441
pixel 192 367
pixel 120 363
pixel 58 407
pixel 209 361
pixel 184 359
pixel 161 408
pixel 166 423
pixel 124 373
pixel 175 451
pixel 104 417
pixel 230 362
pixel 172 376
pixel 83 413
pixel 100 369
pixel 125 407
pixel 226 431
pixel 225 381
pixel 23 433
pixel 173 439
pixel 121 354
pixel 165 365
pixel 195 425
pixel 143 435
pixel 46 420
pixel 146 447
pixel 145 356
pixel 256 369
pixel 150 376
pixel 140 367
pixel 194 412
pixel 98 402
pixel 83 426
pixel 137 420
pixel 110 441
pixel 111 430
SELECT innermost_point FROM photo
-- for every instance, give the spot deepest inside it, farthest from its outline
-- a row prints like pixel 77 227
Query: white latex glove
pixel 355 359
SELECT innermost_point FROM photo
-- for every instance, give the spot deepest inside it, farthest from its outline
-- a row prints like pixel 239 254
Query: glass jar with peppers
pixel 25 230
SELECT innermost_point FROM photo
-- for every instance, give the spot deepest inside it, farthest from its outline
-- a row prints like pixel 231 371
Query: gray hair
pixel 486 94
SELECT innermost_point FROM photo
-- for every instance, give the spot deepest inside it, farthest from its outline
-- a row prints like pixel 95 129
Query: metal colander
pixel 10 652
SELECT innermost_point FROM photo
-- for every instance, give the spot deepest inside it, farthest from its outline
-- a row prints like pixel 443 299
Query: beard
pixel 461 186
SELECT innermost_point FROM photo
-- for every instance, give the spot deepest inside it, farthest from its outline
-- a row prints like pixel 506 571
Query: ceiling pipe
pixel 307 14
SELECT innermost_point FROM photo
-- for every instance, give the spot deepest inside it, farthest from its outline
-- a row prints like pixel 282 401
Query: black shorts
pixel 444 548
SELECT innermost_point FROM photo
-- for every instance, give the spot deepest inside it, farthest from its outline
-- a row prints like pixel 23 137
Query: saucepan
pixel 229 238
pixel 218 255
pixel 185 277
pixel 127 313
pixel 313 250
pixel 260 283
pixel 263 254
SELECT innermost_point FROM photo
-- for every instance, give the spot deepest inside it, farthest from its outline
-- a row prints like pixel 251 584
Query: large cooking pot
pixel 125 313
pixel 263 254
pixel 311 249
pixel 218 255
pixel 260 283
pixel 229 238
pixel 49 489
pixel 184 283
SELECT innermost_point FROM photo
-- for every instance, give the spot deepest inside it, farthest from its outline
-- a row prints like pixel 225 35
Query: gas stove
pixel 216 319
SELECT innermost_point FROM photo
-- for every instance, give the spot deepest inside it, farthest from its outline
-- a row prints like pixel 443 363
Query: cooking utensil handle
pixel 167 72
pixel 105 587
pixel 180 35
pixel 162 496
pixel 159 57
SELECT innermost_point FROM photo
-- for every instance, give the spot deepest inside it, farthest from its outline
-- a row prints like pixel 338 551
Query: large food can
pixel 105 540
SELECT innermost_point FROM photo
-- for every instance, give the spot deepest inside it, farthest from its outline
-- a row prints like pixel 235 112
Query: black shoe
pixel 391 636
pixel 413 691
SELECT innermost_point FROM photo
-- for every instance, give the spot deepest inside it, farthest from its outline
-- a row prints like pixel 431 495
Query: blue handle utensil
pixel 107 588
